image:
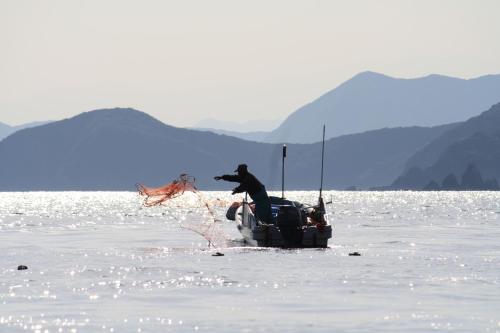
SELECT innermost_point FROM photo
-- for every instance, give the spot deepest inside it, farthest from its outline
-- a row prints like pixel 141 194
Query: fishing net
pixel 158 195
pixel 209 228
pixel 211 231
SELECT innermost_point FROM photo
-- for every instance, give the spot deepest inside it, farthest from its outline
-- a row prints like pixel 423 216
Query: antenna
pixel 322 165
pixel 322 162
pixel 283 172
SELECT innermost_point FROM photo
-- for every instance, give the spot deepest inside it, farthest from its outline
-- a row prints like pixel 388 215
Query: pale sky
pixel 182 61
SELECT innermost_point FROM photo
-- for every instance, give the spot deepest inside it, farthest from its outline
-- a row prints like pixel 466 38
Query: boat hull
pixel 270 235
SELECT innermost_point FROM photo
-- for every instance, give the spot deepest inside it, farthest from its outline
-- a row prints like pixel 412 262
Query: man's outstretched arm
pixel 229 178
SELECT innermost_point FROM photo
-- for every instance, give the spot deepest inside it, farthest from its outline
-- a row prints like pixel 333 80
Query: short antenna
pixel 283 172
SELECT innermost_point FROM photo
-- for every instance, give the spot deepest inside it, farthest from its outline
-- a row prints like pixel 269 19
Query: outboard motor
pixel 289 221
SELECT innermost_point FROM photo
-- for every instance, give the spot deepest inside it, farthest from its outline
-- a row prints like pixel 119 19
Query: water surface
pixel 99 262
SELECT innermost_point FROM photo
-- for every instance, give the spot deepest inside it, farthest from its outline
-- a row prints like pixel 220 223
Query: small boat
pixel 296 225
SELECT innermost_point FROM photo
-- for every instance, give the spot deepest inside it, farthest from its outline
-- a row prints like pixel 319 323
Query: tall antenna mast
pixel 322 163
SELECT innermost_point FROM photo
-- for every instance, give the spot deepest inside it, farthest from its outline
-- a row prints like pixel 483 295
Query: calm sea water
pixel 99 262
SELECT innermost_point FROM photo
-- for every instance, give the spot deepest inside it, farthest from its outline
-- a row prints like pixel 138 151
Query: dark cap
pixel 242 167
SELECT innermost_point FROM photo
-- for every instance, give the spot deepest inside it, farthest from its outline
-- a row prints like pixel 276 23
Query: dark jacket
pixel 248 183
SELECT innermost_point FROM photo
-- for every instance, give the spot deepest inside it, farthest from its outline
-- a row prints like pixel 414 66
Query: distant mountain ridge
pixel 370 101
pixel 6 130
pixel 250 136
pixel 475 141
pixel 112 149
pixel 252 130
pixel 243 126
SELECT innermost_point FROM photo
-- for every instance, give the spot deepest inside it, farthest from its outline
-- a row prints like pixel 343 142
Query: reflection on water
pixel 99 262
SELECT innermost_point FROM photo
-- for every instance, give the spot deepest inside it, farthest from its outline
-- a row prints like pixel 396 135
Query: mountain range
pixel 368 101
pixel 371 101
pixel 112 149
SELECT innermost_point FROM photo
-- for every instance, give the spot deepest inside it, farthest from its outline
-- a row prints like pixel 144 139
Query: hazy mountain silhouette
pixel 251 130
pixel 113 149
pixel 370 101
pixel 362 160
pixel 450 183
pixel 250 136
pixel 475 141
pixel 254 125
pixel 472 180
pixel 487 122
pixel 6 130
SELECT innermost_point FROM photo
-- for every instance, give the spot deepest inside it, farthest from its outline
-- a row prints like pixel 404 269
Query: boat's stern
pixel 296 226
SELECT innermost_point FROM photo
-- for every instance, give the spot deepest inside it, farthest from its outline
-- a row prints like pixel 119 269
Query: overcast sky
pixel 182 61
